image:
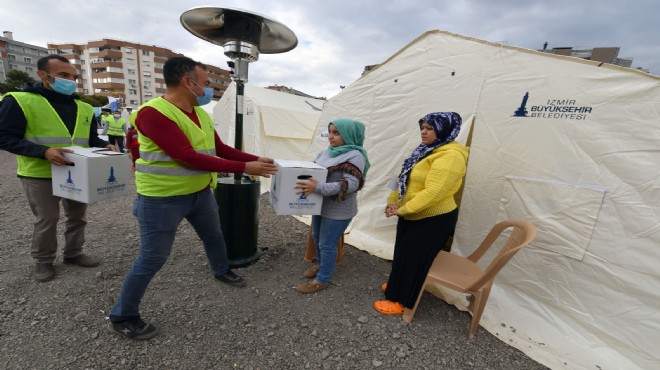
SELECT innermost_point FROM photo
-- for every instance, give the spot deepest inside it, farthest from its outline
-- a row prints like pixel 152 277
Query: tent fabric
pixel 569 144
pixel 275 124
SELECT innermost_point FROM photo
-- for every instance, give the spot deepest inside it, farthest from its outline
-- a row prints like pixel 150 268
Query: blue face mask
pixel 63 86
pixel 206 98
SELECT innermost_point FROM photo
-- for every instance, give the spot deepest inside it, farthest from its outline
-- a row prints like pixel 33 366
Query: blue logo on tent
pixel 566 109
pixel 522 110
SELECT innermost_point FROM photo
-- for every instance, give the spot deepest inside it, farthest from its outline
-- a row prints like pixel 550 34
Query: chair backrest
pixel 523 233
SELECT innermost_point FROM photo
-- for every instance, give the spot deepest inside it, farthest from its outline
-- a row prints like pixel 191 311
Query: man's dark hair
pixel 177 67
pixel 43 62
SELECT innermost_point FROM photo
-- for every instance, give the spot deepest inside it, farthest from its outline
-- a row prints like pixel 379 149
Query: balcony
pixel 107 53
pixel 110 86
pixel 106 64
pixel 105 74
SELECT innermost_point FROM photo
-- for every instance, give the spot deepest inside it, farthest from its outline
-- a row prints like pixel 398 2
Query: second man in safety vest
pixel 180 155
pixel 116 130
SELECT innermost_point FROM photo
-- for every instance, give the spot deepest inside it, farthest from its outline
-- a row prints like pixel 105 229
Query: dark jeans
pixel 159 218
pixel 326 233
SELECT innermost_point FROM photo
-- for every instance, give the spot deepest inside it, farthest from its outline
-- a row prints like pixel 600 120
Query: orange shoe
pixel 384 286
pixel 388 307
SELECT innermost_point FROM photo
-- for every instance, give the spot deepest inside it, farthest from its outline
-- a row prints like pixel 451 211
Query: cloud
pixel 337 39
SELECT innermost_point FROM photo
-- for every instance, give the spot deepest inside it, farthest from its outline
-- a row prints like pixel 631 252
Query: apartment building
pixel 130 72
pixel 603 54
pixel 18 55
pixel 291 90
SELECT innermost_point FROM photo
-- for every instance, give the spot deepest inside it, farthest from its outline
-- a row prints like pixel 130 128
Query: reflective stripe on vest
pixel 170 171
pixel 64 141
pixel 162 157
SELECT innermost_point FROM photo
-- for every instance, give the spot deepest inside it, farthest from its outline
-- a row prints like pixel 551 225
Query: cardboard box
pixel 282 188
pixel 96 174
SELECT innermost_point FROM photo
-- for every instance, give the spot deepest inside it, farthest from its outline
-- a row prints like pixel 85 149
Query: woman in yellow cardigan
pixel 424 203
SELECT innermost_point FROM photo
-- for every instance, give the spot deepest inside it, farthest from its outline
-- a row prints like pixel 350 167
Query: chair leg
pixel 478 304
pixel 408 313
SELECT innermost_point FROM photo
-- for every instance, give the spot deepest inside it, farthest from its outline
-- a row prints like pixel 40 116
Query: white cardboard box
pixel 282 188
pixel 96 174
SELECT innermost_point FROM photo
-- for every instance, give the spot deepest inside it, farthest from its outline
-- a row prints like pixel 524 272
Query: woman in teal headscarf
pixel 347 164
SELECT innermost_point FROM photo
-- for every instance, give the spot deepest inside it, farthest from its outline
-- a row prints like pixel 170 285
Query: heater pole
pixel 238 139
pixel 243 35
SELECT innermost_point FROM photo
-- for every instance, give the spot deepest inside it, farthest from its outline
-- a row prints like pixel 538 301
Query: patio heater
pixel 243 35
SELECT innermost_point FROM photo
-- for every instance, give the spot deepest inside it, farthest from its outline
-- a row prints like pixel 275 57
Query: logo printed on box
pixel 111 185
pixel 302 203
pixel 69 186
pixel 283 190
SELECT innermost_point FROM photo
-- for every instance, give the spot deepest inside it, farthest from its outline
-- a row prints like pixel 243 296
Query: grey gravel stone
pixel 205 324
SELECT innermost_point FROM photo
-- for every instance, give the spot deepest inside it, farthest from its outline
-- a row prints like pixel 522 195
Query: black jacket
pixel 13 123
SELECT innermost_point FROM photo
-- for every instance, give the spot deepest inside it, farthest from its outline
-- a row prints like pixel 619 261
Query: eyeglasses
pixel 66 76
pixel 208 82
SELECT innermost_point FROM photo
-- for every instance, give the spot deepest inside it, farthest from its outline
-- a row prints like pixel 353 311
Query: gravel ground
pixel 205 324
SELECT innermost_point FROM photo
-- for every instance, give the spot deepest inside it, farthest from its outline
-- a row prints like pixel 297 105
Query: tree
pixel 94 100
pixel 14 81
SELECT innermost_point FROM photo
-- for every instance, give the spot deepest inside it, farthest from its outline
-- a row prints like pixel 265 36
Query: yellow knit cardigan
pixel 433 182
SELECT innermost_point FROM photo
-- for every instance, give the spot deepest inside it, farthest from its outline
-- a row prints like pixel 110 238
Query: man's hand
pixel 259 168
pixel 265 160
pixel 112 147
pixel 54 156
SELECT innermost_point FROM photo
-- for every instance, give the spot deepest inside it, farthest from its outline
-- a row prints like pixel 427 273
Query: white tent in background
pixel 571 145
pixel 275 124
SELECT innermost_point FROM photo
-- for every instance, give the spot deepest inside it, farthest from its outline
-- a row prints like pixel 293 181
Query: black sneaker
pixel 231 279
pixel 135 329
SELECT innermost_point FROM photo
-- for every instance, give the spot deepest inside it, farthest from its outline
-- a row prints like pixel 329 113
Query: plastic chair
pixel 464 275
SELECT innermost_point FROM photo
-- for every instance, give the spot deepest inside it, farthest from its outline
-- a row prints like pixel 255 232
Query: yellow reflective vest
pixel 45 127
pixel 115 126
pixel 157 174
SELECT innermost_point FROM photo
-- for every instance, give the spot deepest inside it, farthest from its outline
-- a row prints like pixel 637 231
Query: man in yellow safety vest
pixel 180 155
pixel 36 124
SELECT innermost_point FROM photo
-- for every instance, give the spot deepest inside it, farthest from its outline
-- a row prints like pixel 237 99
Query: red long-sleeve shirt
pixel 169 137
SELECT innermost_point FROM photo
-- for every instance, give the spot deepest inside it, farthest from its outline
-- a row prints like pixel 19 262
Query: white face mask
pixel 116 115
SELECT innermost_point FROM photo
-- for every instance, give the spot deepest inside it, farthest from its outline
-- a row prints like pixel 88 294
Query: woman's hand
pixel 306 186
pixel 391 210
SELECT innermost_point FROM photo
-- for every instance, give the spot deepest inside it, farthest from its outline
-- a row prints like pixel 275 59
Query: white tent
pixel 275 124
pixel 571 145
pixel 208 108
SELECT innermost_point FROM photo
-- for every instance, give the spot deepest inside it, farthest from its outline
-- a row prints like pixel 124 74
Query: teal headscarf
pixel 352 132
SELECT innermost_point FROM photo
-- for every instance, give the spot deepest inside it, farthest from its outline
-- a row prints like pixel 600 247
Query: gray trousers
pixel 46 210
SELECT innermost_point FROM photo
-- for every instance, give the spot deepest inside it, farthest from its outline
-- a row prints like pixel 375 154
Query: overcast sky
pixel 337 38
